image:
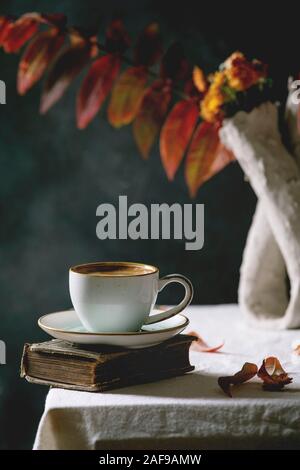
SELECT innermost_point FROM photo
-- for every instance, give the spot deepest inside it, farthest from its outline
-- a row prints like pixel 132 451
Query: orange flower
pixel 242 74
pixel 237 74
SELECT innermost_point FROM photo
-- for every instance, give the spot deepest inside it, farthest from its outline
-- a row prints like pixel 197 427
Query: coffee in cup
pixel 113 296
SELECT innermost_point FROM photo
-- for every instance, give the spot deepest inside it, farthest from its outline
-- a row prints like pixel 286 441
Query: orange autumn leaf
pixel 273 375
pixel 176 134
pixel 95 88
pixel 36 58
pixel 247 372
pixel 68 64
pixel 150 116
pixel 206 156
pixel 199 79
pixel 127 95
pixel 201 345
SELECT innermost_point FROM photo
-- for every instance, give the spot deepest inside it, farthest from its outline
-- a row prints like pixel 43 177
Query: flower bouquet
pixel 240 100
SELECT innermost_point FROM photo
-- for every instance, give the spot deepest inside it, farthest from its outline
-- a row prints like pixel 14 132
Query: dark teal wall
pixel 52 178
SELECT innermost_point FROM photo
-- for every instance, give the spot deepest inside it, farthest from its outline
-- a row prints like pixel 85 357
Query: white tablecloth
pixel 189 411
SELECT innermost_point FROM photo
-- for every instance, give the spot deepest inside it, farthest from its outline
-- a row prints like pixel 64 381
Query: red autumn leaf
pixel 18 33
pixel 5 22
pixel 127 95
pixel 148 48
pixel 150 116
pixel 248 371
pixel 95 88
pixel 68 64
pixel 176 134
pixel 36 58
pixel 174 64
pixel 117 38
pixel 273 375
pixel 206 156
pixel 201 345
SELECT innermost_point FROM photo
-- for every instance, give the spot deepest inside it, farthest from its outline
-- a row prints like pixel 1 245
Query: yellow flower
pixel 237 74
pixel 211 105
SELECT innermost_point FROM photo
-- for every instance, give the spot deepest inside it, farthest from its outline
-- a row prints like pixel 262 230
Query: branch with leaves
pixel 178 103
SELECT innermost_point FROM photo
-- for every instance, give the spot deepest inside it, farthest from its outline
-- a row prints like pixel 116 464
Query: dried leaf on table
pixel 296 347
pixel 247 372
pixel 273 375
pixel 201 345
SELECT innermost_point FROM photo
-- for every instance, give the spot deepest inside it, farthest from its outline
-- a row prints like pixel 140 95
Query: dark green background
pixel 52 178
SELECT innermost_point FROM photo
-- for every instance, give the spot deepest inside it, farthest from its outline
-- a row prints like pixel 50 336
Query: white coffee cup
pixel 119 296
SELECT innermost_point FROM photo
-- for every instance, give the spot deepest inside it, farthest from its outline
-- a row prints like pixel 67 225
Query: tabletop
pixel 190 411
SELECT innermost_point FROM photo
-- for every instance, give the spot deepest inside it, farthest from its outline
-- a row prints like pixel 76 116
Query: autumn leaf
pixel 127 95
pixel 149 46
pixel 36 58
pixel 68 64
pixel 248 371
pixel 273 375
pixel 95 88
pixel 17 33
pixel 201 345
pixel 174 64
pixel 149 119
pixel 176 134
pixel 206 156
pixel 5 26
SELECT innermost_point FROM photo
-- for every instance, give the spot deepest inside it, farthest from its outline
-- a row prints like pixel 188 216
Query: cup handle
pixel 183 304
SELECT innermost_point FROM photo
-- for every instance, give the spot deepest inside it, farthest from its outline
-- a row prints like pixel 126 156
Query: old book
pixel 96 369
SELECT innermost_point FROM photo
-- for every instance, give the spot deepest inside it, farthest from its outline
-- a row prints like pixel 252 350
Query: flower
pixel 214 99
pixel 237 74
pixel 242 74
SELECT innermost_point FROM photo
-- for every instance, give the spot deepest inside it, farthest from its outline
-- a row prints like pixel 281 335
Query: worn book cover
pixel 61 364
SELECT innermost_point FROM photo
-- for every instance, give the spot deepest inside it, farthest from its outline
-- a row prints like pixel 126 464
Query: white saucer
pixel 65 325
